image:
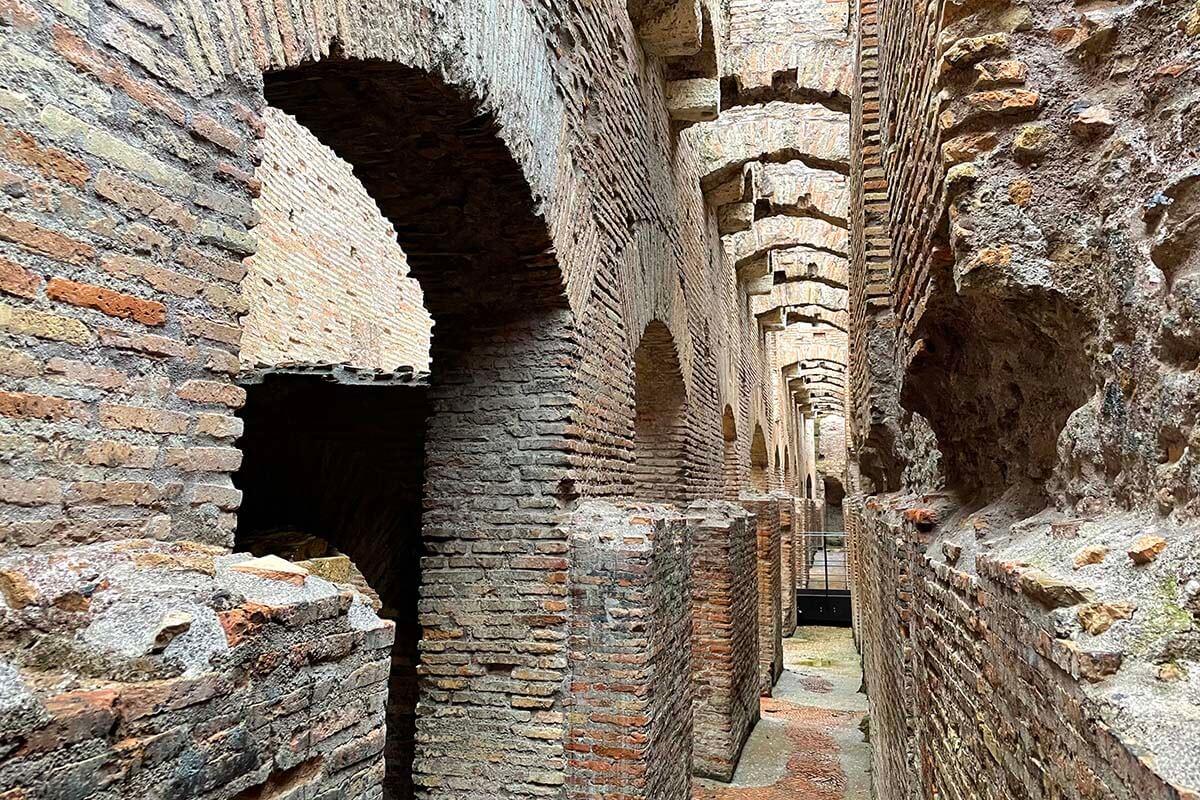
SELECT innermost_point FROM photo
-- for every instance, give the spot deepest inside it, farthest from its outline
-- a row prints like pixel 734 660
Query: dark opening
pixel 834 494
pixel 333 469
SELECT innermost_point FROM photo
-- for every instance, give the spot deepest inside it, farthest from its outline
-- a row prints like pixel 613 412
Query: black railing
pixel 823 582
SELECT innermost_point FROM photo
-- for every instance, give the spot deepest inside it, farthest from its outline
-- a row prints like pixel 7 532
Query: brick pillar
pixel 629 711
pixel 724 635
pixel 770 628
pixel 787 564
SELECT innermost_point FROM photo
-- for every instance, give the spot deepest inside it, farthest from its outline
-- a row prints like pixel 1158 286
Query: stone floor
pixel 808 745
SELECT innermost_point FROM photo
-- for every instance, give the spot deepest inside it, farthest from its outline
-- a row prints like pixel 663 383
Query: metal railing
pixel 825 563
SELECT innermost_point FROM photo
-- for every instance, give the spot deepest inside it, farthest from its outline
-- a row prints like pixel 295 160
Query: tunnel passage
pixel 834 494
pixel 333 468
pixel 499 403
pixel 660 420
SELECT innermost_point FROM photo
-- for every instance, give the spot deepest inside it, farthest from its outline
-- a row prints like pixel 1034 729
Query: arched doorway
pixel 659 424
pixel 479 473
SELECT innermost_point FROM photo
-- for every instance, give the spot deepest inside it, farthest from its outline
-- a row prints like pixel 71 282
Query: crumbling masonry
pixel 416 399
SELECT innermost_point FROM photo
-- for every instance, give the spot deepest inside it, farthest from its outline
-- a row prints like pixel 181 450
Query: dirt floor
pixel 808 745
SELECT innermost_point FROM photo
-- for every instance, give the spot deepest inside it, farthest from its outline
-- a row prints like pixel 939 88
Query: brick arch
pixel 660 418
pixel 759 467
pixel 502 350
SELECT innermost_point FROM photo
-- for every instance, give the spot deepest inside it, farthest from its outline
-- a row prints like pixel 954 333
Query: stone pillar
pixel 787 564
pixel 770 633
pixel 629 706
pixel 725 681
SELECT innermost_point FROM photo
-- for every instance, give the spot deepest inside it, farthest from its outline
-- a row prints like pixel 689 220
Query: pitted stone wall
pixel 328 284
pixel 724 635
pixel 770 623
pixel 629 718
pixel 177 676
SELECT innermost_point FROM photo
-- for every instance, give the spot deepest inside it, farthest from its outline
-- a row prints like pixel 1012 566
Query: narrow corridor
pixel 809 745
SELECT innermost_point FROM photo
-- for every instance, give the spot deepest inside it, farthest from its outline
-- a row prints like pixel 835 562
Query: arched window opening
pixel 731 466
pixel 759 481
pixel 660 435
pixel 808 487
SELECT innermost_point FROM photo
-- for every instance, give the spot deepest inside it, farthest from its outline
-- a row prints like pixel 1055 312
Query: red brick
pixel 134 196
pixel 200 391
pixel 205 126
pixel 115 304
pixel 21 148
pixel 144 343
pixel 36 492
pixel 214 331
pixel 204 459
pixel 36 406
pixel 68 371
pixel 16 280
pixel 19 15
pixel 123 493
pixel 86 58
pixel 45 242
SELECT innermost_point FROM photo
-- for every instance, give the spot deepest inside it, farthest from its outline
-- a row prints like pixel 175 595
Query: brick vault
pixel 406 398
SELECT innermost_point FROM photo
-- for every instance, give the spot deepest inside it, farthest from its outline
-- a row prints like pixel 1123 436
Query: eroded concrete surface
pixel 808 745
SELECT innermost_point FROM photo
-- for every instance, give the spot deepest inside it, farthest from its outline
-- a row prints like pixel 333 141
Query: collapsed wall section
pixel 151 670
pixel 628 727
pixel 724 635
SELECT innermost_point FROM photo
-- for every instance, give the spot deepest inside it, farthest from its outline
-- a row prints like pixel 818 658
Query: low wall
pixel 725 681
pixel 145 670
pixel 982 682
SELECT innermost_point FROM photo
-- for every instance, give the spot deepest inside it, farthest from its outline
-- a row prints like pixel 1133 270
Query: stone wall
pixel 327 284
pixel 164 671
pixel 629 718
pixel 972 683
pixel 725 683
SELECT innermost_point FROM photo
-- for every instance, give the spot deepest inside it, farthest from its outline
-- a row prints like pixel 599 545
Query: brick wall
pixel 770 623
pixel 327 284
pixel 971 686
pixel 548 211
pixel 629 723
pixel 788 526
pixel 725 681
